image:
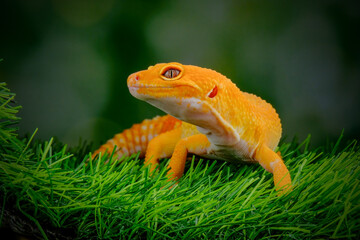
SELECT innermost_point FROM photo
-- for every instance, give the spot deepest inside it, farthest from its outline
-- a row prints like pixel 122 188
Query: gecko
pixel 207 115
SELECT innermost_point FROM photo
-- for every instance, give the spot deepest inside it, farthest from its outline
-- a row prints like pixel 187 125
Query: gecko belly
pixel 237 153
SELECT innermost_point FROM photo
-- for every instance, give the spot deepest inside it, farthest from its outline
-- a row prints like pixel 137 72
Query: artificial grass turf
pixel 51 192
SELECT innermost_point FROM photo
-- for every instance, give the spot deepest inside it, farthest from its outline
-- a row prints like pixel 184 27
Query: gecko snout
pixel 133 78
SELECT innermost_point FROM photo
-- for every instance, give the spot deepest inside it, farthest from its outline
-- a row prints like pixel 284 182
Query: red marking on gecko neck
pixel 213 92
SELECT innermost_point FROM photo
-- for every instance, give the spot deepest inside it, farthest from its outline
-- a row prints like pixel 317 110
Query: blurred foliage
pixel 68 60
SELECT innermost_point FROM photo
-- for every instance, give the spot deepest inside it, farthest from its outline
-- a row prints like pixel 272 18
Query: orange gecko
pixel 208 116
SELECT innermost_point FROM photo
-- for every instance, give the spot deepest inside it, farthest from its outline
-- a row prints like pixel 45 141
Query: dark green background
pixel 68 60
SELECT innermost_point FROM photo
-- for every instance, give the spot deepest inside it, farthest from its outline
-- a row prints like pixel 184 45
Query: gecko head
pixel 177 89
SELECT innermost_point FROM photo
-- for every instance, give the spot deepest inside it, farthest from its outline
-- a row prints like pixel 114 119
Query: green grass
pixel 51 192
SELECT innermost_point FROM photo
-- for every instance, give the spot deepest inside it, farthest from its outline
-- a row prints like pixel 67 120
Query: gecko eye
pixel 170 73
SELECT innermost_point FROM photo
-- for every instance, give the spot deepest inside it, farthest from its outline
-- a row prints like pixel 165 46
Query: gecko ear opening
pixel 171 72
pixel 213 92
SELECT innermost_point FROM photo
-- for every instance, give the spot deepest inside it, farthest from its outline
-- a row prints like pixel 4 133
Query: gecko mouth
pixel 163 87
pixel 159 87
pixel 138 91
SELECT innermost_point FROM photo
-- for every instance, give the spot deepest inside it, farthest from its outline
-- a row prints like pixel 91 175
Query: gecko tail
pixel 136 138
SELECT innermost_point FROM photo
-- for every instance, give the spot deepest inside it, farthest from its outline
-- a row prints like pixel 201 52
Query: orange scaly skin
pixel 136 138
pixel 218 121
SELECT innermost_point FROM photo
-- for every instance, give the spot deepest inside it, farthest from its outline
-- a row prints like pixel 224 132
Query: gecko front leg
pixel 273 163
pixel 161 146
pixel 196 144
